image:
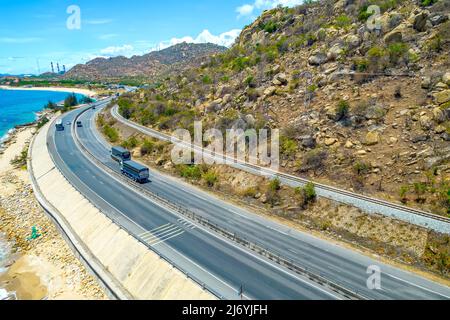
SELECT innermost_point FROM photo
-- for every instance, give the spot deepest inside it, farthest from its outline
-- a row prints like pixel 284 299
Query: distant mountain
pixel 148 65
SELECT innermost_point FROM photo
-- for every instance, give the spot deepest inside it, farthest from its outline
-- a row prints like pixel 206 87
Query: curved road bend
pixel 340 265
pixel 365 203
pixel 219 264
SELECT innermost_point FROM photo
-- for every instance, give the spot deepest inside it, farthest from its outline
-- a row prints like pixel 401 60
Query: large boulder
pixel 394 36
pixel 317 59
pixel 223 90
pixel 438 115
pixel 425 122
pixel 420 22
pixel 280 79
pixel 308 142
pixel 442 97
pixel 270 91
pixel 335 52
pixel 372 138
pixel 438 19
pixel 353 41
pixel 446 78
pixel 375 112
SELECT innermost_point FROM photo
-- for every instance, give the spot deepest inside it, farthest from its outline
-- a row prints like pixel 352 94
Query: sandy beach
pixel 85 92
pixel 43 268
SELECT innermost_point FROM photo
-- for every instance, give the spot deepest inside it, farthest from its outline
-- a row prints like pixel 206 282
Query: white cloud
pixel 98 21
pixel 19 40
pixel 248 9
pixel 108 36
pixel 112 51
pixel 245 10
pixel 224 39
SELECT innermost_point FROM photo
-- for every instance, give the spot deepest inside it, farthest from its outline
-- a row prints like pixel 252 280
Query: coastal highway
pixel 368 204
pixel 218 263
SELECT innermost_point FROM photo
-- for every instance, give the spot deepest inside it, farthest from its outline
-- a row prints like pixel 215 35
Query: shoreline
pixel 86 92
pixel 43 268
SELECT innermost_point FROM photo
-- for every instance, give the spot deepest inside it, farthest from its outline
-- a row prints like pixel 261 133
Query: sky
pixel 34 33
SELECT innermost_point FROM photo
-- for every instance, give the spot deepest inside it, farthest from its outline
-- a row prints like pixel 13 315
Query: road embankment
pixel 45 267
pixel 127 268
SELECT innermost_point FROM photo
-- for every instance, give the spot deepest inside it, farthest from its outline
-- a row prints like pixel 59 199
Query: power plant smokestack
pixel 57 67
pixel 53 68
pixel 64 68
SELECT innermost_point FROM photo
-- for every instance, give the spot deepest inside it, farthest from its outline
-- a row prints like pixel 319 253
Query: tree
pixel 70 101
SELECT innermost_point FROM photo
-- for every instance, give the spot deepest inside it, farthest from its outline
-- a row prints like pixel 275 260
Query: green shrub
pixel 147 147
pixel 111 133
pixel 20 161
pixel 42 122
pixel 361 168
pixel 275 185
pixel 288 146
pixel 210 178
pixel 131 143
pixel 397 51
pixel 306 195
pixel 343 21
pixel 193 172
pixel 250 81
pixel 361 65
pixel 207 79
pixel 310 192
pixel 342 110
pixel 270 27
pixel 427 3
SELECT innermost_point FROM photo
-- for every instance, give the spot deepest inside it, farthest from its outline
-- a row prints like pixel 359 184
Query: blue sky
pixel 35 32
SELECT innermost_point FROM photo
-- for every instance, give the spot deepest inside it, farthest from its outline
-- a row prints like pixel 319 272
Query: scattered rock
pixel 317 59
pixel 439 115
pixel 420 22
pixel 442 97
pixel 335 52
pixel 446 78
pixel 280 79
pixel 372 138
pixel 425 122
pixel 394 36
pixel 353 41
pixel 439 129
pixel 270 91
pixel 330 141
pixel 308 142
pixel 426 82
pixel 438 19
pixel 420 138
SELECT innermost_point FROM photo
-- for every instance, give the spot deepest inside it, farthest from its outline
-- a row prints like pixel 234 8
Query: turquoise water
pixel 20 107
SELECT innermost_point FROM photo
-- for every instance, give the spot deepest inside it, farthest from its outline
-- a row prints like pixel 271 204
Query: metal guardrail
pixel 165 137
pixel 92 158
pixel 234 237
pixel 67 231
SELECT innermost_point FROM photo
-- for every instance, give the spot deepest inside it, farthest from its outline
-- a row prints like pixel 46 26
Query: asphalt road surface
pixel 218 263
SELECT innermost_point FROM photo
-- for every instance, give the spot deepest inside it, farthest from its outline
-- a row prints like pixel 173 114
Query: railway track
pixel 239 239
pixel 369 204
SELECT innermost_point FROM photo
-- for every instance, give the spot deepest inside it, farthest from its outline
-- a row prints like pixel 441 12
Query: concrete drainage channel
pixel 238 239
pixel 125 267
pixel 111 286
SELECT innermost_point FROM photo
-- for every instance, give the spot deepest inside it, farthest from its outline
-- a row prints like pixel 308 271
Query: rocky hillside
pixel 146 66
pixel 363 101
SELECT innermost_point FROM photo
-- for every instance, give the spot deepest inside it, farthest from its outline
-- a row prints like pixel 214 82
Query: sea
pixel 19 107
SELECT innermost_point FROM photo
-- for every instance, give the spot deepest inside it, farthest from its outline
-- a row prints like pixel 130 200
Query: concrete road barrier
pixel 124 266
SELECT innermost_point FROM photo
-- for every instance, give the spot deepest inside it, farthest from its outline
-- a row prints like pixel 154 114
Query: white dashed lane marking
pixel 165 232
